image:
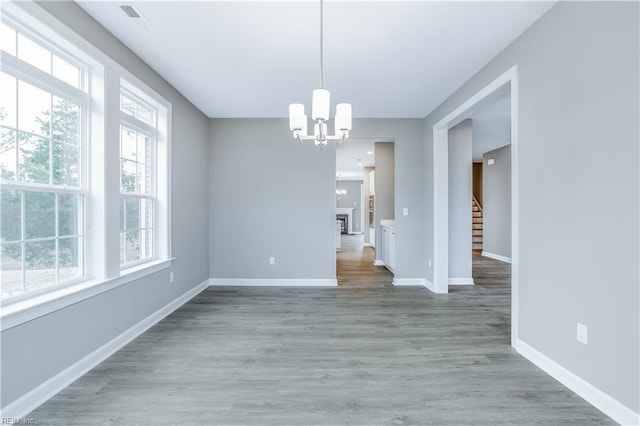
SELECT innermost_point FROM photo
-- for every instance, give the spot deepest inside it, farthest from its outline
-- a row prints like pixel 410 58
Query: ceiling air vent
pixel 130 11
pixel 135 16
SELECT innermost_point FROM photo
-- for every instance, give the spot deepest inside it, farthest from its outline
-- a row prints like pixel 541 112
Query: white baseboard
pixel 409 281
pixel 33 399
pixel 423 282
pixel 378 262
pixel 367 245
pixel 461 281
pixel 428 284
pixel 496 256
pixel 594 396
pixel 274 282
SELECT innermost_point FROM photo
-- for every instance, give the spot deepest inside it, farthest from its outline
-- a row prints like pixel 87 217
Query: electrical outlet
pixel 170 277
pixel 272 260
pixel 405 211
pixel 429 262
pixel 582 333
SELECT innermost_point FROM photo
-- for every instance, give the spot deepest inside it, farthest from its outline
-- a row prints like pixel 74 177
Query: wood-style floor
pixel 355 266
pixel 352 355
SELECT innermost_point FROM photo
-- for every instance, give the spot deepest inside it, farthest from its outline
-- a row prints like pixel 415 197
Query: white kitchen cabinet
pixel 389 247
pixel 372 236
pixel 391 259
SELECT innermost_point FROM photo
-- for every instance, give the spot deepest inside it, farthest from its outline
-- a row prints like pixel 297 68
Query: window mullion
pixel 23 236
pixel 111 174
pixel 38 187
pixel 57 234
pixel 35 76
pixel 51 159
pixel 136 124
pixel 15 138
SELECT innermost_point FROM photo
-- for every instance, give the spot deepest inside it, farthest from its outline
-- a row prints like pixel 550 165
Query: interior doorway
pixel 441 249
pixel 362 210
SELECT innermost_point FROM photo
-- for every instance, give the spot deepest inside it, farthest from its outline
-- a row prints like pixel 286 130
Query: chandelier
pixel 320 110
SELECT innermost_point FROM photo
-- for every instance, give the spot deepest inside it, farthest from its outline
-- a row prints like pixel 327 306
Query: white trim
pixel 378 262
pixel 429 285
pixel 594 396
pixel 274 282
pixel 496 256
pixel 441 196
pixel 43 80
pixel 14 314
pixel 461 281
pixel 367 245
pixel 34 398
pixel 409 282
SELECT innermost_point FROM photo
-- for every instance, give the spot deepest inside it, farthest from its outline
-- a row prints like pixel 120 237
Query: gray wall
pixel 37 350
pixel 352 199
pixel 271 174
pixel 578 106
pixel 270 196
pixel 496 217
pixel 411 189
pixel 492 125
pixel 365 226
pixel 385 189
pixel 460 194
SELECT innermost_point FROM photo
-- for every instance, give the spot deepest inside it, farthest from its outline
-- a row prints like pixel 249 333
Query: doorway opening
pixel 447 202
pixel 361 165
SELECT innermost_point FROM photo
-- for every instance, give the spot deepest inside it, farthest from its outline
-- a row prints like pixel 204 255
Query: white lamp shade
pixel 320 106
pixel 296 117
pixel 343 117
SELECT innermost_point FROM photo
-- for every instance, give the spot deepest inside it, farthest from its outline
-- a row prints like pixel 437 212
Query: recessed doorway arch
pixel 441 190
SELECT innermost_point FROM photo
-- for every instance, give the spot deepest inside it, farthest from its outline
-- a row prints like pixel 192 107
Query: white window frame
pixel 160 193
pixel 102 256
pixel 23 71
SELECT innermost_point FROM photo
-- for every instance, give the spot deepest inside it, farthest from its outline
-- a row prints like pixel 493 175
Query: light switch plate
pixel 491 161
pixel 405 211
pixel 582 333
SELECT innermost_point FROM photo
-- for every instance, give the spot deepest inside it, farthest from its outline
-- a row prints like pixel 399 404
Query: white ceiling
pixel 252 59
pixel 352 156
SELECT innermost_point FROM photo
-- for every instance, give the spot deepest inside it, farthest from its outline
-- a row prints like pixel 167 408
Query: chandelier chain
pixel 321 45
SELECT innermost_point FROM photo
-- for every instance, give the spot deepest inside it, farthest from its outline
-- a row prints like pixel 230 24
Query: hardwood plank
pixel 356 355
pixel 355 268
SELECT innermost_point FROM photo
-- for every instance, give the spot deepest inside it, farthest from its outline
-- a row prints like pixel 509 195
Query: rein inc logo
pixel 18 421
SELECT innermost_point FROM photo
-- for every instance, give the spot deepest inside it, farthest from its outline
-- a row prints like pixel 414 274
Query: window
pixel 41 162
pixel 137 179
pixel 82 141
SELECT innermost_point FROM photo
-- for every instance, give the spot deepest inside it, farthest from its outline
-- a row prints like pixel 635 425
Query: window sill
pixel 14 314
